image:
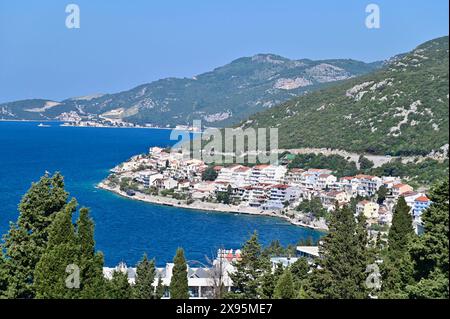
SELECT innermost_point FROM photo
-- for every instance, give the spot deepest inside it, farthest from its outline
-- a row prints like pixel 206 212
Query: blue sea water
pixel 125 229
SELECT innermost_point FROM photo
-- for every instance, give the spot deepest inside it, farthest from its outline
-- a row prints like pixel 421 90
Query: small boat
pixel 43 125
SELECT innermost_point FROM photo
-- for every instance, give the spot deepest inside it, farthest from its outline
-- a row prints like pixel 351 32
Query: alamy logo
pixel 229 145
pixel 73 280
pixel 73 19
pixel 373 280
pixel 373 19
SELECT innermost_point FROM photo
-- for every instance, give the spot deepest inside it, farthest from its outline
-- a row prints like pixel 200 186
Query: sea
pixel 124 229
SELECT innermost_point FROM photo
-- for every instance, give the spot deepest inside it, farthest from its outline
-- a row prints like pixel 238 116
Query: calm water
pixel 125 229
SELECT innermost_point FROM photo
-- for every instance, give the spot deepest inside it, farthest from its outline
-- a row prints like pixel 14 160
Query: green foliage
pixel 343 261
pixel 381 194
pixel 145 276
pixel 430 252
pixel 250 269
pixel 118 287
pixel 179 288
pixel 398 267
pixel 285 286
pixel 336 163
pixel 209 174
pixel 341 118
pixel 313 206
pixel 423 173
pixel 26 240
pixel 365 163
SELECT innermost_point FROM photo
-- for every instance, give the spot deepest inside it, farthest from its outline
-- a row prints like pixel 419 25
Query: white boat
pixel 43 125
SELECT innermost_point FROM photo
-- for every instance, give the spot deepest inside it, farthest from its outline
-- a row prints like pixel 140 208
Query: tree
pixel 401 230
pixel 179 288
pixel 285 286
pixel 397 266
pixel 160 289
pixel 250 269
pixel 299 271
pixel 62 250
pixel 381 194
pixel 93 283
pixel 209 174
pixel 145 276
pixel 365 163
pixel 341 272
pixel 430 252
pixel 26 240
pixel 119 287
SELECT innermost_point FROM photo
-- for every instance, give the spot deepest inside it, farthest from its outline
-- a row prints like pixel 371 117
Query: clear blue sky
pixel 124 43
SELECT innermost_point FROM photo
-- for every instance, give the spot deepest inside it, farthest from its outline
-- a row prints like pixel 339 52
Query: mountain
pixel 221 97
pixel 400 109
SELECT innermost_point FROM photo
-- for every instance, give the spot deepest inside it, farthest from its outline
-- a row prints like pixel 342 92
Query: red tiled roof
pixel 423 199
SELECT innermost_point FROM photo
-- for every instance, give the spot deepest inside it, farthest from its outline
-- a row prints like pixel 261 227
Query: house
pixel 294 175
pixel 309 252
pixel 420 204
pixel 169 183
pixel 333 197
pixel 400 189
pixel 367 185
pixel 281 194
pixel 369 209
pixel 325 181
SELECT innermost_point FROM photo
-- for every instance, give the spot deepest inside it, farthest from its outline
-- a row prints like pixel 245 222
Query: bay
pixel 125 229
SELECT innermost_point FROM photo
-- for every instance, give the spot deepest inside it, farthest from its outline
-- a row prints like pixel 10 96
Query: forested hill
pixel 401 109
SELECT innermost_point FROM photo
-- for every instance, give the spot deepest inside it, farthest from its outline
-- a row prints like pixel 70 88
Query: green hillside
pixel 401 109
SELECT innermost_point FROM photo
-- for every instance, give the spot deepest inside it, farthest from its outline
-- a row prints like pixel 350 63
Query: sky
pixel 124 43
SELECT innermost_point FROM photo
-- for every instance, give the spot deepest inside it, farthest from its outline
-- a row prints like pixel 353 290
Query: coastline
pixel 204 206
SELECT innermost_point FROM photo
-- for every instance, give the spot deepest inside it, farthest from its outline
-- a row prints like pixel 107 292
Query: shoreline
pixel 207 207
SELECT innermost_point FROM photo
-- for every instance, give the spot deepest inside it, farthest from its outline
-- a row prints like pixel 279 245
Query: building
pixel 369 209
pixel 400 189
pixel 309 252
pixel 420 204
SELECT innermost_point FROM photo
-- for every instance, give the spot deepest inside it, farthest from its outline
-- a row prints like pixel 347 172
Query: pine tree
pixel 341 273
pixel 285 286
pixel 430 252
pixel 145 276
pixel 179 288
pixel 250 269
pixel 299 271
pixel 268 282
pixel 26 240
pixel 118 287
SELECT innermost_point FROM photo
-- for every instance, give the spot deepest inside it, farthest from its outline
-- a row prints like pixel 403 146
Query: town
pixel 305 197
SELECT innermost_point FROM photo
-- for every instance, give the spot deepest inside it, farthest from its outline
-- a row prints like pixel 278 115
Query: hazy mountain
pixel 221 97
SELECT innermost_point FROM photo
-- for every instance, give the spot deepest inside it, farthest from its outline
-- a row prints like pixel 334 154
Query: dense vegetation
pixel 45 253
pixel 338 164
pixel 402 109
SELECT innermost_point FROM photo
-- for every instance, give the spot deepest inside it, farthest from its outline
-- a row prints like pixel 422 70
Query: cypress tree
pixel 91 262
pixel 397 267
pixel 145 276
pixel 285 286
pixel 401 230
pixel 179 288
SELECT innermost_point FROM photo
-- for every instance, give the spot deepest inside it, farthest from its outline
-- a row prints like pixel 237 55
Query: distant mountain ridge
pixel 401 109
pixel 221 97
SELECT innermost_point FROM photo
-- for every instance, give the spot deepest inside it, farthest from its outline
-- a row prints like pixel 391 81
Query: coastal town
pixel 304 197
